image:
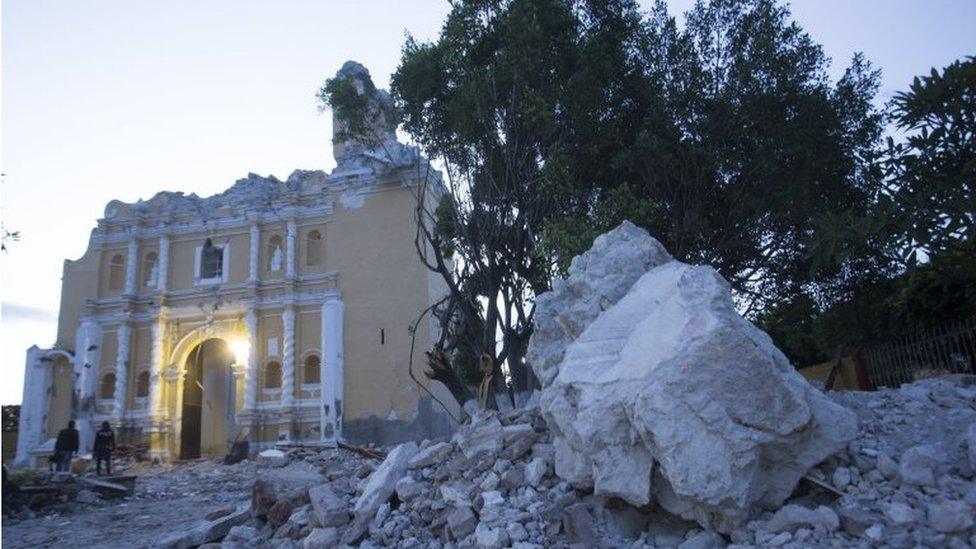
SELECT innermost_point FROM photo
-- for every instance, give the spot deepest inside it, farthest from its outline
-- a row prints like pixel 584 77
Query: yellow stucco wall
pixel 846 379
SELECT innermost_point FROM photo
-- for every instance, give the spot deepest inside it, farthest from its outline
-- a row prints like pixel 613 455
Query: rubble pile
pixel 665 420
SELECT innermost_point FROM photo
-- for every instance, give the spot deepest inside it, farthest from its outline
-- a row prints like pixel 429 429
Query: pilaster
pixel 291 234
pixel 162 270
pixel 131 264
pixel 122 370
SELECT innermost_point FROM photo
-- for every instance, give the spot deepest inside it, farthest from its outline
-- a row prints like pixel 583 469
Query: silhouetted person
pixel 66 446
pixel 104 446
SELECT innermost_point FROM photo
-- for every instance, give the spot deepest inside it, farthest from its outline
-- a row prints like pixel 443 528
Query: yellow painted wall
pixel 846 379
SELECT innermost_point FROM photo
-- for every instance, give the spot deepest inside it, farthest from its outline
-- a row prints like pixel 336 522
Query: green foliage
pixel 938 293
pixel 932 174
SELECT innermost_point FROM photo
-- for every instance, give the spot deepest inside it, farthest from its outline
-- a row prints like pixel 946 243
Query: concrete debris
pixel 667 394
pixel 665 421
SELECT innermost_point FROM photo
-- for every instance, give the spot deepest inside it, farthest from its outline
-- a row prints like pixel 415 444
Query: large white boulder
pixel 666 393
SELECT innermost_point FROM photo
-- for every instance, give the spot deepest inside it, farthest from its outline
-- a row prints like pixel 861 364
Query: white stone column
pixel 88 340
pixel 131 264
pixel 122 370
pixel 255 262
pixel 288 354
pixel 290 236
pixel 30 431
pixel 330 409
pixel 157 365
pixel 162 268
pixel 251 381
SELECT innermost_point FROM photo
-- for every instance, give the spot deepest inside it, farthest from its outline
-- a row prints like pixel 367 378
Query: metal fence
pixel 939 350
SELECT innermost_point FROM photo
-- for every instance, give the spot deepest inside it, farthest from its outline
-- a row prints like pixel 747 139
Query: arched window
pixel 272 375
pixel 150 270
pixel 142 384
pixel 276 254
pixel 312 371
pixel 313 248
pixel 116 273
pixel 107 388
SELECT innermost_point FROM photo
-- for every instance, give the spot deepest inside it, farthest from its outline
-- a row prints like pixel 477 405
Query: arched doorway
pixel 209 396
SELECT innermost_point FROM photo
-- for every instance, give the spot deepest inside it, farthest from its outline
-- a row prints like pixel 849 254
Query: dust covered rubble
pixel 665 420
pixel 493 485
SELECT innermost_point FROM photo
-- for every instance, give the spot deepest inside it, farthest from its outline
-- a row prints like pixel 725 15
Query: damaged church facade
pixel 276 311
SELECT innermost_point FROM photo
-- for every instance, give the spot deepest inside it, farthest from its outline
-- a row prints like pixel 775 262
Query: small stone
pixel 516 532
pixel 578 524
pixel 950 516
pixel 432 455
pixel 855 520
pixel 874 532
pixel 899 514
pixel 887 466
pixel 273 457
pixel 490 538
pixel 704 540
pixel 512 479
pixel 780 539
pixel 407 488
pixel 917 466
pixel 461 522
pixel 791 517
pixel 279 512
pixel 535 470
pixel 321 538
pixel 490 482
pixel 841 477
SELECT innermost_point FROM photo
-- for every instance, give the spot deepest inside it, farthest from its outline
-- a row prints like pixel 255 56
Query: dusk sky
pixel 119 100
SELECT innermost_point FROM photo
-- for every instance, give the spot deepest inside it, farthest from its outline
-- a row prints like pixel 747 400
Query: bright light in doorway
pixel 240 348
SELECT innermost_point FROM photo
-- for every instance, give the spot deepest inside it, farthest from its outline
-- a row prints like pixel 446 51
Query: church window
pixel 211 260
pixel 116 272
pixel 312 371
pixel 150 270
pixel 142 384
pixel 313 248
pixel 107 388
pixel 276 255
pixel 272 375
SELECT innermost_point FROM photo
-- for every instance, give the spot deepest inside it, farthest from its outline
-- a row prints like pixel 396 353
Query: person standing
pixel 66 446
pixel 104 446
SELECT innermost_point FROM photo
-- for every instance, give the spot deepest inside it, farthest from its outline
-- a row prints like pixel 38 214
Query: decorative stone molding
pixel 288 353
pixel 290 236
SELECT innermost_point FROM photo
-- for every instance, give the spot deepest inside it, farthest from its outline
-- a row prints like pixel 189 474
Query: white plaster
pixel 290 236
pixel 30 431
pixel 332 368
pixel 255 253
pixel 122 369
pixel 163 277
pixel 130 267
pixel 288 353
pixel 251 381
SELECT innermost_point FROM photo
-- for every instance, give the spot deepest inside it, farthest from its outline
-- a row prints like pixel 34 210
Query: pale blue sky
pixel 111 100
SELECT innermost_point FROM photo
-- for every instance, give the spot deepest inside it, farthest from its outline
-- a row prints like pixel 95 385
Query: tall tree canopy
pixel 557 119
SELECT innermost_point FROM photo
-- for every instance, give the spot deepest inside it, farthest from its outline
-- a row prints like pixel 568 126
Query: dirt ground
pixel 167 498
